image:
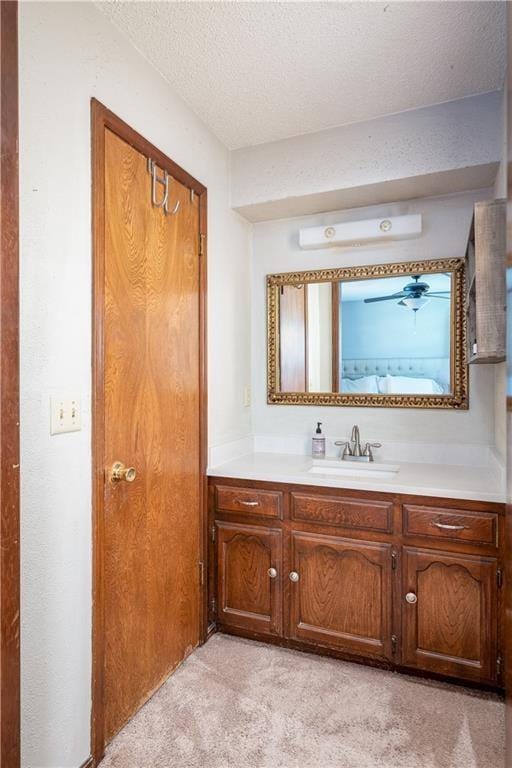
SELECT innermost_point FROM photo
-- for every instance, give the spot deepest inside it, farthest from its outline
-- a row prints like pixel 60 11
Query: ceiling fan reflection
pixel 413 295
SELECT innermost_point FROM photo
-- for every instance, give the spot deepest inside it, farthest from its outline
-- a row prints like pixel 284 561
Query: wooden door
pixel 507 623
pixel 148 416
pixel 9 393
pixel 249 577
pixel 293 366
pixel 449 613
pixel 341 594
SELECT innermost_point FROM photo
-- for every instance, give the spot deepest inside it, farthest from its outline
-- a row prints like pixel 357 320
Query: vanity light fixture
pixel 361 232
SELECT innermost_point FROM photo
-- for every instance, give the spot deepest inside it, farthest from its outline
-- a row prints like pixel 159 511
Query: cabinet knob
pixel 294 576
pixel 411 598
pixel 272 573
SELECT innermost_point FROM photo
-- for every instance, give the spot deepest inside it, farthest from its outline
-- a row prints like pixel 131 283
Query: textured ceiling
pixel 260 71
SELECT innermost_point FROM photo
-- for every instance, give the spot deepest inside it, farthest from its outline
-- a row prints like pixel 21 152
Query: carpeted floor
pixel 239 704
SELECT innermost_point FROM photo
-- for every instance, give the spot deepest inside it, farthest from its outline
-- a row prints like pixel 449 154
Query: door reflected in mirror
pixel 346 335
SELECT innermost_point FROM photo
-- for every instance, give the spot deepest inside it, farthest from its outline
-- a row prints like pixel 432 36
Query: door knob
pixel 411 598
pixel 294 576
pixel 272 573
pixel 119 472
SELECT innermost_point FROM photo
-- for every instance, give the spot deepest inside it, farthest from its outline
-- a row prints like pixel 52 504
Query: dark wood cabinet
pixel 249 570
pixel 342 593
pixel 449 613
pixel 407 582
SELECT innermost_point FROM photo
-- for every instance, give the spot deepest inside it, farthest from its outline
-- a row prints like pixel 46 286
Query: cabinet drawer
pixel 451 524
pixel 345 513
pixel 247 501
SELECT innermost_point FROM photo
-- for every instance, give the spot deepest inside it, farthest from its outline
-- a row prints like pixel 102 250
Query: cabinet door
pixel 249 577
pixel 449 613
pixel 341 594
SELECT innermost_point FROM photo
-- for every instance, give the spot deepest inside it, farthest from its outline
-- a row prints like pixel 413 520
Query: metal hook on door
pixel 163 180
pixel 176 207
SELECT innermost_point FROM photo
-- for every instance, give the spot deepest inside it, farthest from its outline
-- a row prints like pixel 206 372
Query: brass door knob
pixel 119 472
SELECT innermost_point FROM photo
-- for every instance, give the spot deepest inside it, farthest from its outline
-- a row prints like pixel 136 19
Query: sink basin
pixel 354 469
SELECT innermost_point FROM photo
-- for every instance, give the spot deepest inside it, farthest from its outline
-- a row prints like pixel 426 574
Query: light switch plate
pixel 65 414
pixel 247 397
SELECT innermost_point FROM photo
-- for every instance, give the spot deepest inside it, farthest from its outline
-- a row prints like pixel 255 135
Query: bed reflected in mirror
pixel 365 337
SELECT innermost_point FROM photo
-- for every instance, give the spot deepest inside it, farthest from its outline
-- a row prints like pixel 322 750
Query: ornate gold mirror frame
pixel 459 396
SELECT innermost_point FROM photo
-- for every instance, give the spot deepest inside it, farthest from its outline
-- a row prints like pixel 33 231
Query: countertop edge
pixel 323 481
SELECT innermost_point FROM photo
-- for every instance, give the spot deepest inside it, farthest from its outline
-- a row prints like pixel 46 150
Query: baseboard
pixel 212 629
pixel 366 661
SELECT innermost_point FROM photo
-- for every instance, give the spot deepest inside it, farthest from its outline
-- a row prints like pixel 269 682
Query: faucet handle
pixel 347 450
pixel 368 449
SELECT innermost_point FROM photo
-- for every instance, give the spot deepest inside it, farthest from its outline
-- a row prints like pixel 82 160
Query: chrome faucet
pixel 355 439
pixel 352 450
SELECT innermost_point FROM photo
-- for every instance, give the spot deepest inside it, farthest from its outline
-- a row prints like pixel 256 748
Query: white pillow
pixel 364 385
pixel 405 385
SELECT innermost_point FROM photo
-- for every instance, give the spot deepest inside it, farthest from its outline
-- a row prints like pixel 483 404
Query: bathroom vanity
pixel 400 578
pixel 394 565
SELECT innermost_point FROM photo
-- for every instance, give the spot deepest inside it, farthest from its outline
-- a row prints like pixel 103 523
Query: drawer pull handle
pixel 248 503
pixel 272 573
pixel 411 598
pixel 294 576
pixel 448 527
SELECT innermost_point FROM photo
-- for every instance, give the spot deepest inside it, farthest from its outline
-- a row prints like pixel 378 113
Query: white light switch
pixel 65 414
pixel 247 397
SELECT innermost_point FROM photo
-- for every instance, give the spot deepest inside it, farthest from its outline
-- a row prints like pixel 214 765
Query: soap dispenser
pixel 318 442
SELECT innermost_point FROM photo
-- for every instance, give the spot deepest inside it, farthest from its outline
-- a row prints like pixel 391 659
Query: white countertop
pixel 480 483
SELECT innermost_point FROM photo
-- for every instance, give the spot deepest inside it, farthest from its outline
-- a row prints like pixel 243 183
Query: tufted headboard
pixel 437 368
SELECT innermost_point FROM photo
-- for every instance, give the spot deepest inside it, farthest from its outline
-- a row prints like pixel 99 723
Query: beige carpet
pixel 239 704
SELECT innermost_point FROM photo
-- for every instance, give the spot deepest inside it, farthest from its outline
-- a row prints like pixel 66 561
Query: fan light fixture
pixel 414 303
pixel 413 295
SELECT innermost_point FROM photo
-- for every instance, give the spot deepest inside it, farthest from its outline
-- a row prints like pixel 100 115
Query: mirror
pixel 388 335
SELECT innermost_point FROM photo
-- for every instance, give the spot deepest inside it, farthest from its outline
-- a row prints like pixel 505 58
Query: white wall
pixel 378 330
pixel 319 337
pixel 446 223
pixel 500 371
pixel 421 152
pixel 68 53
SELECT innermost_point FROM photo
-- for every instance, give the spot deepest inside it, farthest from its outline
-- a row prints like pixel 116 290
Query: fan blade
pixel 438 293
pixel 398 295
pixel 437 296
